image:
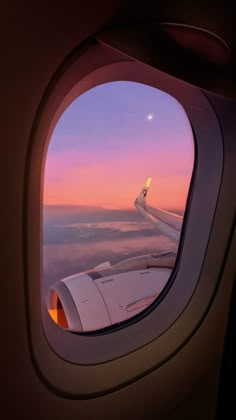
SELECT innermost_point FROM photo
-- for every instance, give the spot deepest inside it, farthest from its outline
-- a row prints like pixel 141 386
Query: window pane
pixel 117 175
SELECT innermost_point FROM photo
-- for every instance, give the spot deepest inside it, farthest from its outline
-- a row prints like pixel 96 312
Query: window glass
pixel 117 175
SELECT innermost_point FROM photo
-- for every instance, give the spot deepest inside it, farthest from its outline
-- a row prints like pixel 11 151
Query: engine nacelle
pixel 106 296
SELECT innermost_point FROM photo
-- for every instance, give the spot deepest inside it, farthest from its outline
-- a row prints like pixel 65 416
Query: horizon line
pixel 88 205
pixel 108 207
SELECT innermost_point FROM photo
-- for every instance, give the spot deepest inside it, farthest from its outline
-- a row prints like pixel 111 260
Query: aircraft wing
pixel 169 224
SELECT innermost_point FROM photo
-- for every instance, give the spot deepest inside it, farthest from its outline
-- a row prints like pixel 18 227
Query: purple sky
pixel 110 139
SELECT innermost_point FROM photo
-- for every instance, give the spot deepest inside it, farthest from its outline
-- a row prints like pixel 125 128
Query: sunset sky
pixel 110 139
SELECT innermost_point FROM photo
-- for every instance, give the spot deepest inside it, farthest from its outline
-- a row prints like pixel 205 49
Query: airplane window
pixel 117 175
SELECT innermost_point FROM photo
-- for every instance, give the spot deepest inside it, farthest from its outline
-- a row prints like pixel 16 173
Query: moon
pixel 149 117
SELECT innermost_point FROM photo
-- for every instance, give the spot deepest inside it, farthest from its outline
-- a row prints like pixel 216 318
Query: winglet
pixel 168 223
pixel 141 199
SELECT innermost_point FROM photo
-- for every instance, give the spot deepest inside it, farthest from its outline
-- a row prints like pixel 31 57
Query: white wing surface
pixel 169 224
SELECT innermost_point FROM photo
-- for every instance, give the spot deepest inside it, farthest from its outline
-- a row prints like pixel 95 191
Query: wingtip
pixel 148 182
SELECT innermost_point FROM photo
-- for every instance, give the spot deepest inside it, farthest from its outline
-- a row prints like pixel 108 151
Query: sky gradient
pixel 110 139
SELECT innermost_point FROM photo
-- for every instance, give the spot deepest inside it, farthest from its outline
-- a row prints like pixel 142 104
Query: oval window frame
pixel 81 365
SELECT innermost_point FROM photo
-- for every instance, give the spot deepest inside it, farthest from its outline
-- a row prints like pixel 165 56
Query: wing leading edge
pixel 169 224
